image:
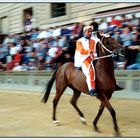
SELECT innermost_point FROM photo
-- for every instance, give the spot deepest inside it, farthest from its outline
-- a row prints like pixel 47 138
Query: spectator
pixel 116 35
pixel 28 47
pixel 78 27
pixel 18 46
pixel 48 62
pixel 135 65
pixel 125 22
pixel 24 67
pixel 35 44
pixel 17 57
pixel 115 22
pixel 136 50
pixel 65 31
pixel 75 28
pixel 94 24
pixel 31 66
pixel 54 52
pixel 126 40
pixel 41 53
pixel 138 24
pixel 126 37
pixel 13 49
pixel 34 34
pixel 134 21
pixel 3 53
pixel 136 39
pixel 103 26
pixel 11 38
pixel 57 31
pixel 33 58
pixel 27 23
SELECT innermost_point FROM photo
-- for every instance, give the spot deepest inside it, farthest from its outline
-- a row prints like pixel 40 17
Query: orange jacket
pixel 84 47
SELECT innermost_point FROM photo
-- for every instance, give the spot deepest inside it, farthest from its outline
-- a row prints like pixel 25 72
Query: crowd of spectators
pixel 37 49
pixel 127 32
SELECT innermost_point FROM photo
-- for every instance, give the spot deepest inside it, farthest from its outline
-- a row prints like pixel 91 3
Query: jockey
pixel 84 55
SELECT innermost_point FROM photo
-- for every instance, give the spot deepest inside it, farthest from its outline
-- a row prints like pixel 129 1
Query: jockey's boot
pixel 92 92
pixel 118 88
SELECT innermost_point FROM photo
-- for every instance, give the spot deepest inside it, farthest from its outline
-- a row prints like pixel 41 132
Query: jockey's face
pixel 88 32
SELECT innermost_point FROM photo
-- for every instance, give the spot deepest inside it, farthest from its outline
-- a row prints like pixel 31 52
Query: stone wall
pixel 75 12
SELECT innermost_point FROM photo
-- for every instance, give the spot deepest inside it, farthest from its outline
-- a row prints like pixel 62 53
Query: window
pixel 27 12
pixel 4 25
pixel 58 9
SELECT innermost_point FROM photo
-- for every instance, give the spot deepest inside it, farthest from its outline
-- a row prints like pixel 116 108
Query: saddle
pixel 117 88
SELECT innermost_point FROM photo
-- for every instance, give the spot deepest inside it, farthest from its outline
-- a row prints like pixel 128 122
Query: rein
pixel 106 49
pixel 106 56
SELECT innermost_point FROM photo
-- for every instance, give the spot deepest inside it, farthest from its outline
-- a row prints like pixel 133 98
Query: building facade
pixel 43 15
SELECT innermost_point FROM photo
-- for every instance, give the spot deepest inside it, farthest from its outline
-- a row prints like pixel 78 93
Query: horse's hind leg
pixel 60 88
pixel 73 101
pixel 101 109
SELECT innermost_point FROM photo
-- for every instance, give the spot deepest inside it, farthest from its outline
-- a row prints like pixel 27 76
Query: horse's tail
pixel 48 87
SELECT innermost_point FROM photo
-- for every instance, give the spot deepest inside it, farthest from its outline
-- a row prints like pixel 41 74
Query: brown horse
pixel 68 76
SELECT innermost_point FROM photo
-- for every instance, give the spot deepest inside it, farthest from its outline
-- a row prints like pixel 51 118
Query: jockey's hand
pixel 92 54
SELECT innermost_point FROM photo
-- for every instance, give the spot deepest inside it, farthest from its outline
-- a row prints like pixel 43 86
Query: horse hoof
pixel 83 120
pixel 117 134
pixel 97 129
pixel 56 122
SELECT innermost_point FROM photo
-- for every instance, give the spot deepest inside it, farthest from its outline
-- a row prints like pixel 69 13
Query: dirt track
pixel 23 115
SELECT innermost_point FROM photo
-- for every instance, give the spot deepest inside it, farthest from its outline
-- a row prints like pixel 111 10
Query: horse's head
pixel 108 44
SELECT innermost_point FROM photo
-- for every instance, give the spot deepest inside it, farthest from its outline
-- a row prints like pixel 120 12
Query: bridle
pixel 103 46
pixel 111 53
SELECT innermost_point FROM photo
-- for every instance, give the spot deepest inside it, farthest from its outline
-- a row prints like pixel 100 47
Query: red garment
pixel 10 65
pixel 116 22
pixel 17 58
pixel 58 52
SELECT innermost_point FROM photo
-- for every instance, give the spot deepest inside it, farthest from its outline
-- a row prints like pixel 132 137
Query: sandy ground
pixel 23 115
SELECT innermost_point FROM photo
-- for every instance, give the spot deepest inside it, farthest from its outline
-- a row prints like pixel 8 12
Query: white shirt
pixel 103 26
pixel 13 50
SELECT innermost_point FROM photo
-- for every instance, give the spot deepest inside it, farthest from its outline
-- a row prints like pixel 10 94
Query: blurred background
pixel 37 38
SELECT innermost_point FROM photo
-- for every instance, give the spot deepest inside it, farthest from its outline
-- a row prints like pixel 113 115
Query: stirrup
pixel 92 92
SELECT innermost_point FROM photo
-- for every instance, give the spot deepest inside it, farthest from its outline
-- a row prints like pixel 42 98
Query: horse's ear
pixel 98 35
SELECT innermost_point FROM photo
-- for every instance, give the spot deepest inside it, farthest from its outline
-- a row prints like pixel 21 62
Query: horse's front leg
pixel 60 88
pixel 106 103
pixel 101 109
